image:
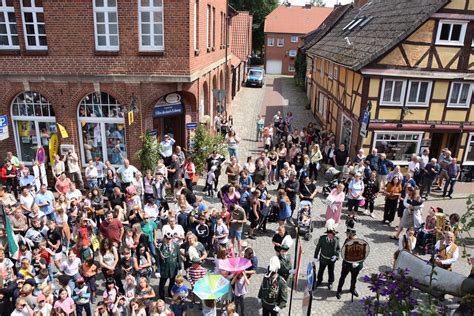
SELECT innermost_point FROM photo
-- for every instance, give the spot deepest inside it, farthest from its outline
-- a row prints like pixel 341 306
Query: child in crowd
pixel 210 179
pixel 178 306
pixel 195 273
pixel 240 283
pixel 81 296
pixel 202 231
pixel 89 271
pixel 179 288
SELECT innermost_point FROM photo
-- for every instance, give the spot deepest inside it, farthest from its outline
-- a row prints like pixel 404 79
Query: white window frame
pixel 335 72
pixel 402 95
pixel 469 95
pixel 323 105
pixel 291 68
pixel 4 10
pixel 330 69
pixel 292 52
pixel 397 133
pixel 280 42
pixel 208 27
pixel 151 9
pixel 102 121
pixel 196 26
pixel 469 145
pixel 34 10
pixel 270 42
pixel 106 10
pixel 460 42
pixel 36 119
pixel 428 93
pixel 294 39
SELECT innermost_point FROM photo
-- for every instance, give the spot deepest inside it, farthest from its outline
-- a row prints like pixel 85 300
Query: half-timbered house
pixel 411 64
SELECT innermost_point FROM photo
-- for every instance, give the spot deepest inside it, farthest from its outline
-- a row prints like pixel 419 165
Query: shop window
pixel 469 155
pixel 398 146
pixel 33 124
pixel 8 31
pixel 451 33
pixel 460 94
pixel 393 92
pixel 102 128
pixel 106 25
pixel 33 24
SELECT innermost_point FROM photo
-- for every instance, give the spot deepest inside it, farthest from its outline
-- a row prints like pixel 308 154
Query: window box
pixel 460 95
pixel 398 146
pixel 393 92
pixel 451 33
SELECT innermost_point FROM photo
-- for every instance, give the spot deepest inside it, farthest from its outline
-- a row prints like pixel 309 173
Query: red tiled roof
pixel 241 44
pixel 295 19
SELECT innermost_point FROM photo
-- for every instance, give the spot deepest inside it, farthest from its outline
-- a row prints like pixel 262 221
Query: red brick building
pixel 241 44
pixel 86 63
pixel 284 28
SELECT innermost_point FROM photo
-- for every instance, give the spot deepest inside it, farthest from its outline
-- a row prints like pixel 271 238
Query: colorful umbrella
pixel 211 287
pixel 234 264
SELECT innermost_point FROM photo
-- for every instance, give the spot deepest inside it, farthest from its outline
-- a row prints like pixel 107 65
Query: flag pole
pixel 294 266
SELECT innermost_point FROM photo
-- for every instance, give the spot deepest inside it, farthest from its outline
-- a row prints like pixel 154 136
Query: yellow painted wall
pixel 471 116
pixel 471 59
pixel 374 106
pixel 357 103
pixel 446 54
pixel 456 116
pixel 414 54
pixel 417 114
pixel 374 88
pixel 358 83
pixel 424 33
pixel 464 138
pixel 460 155
pixel 440 90
pixel 436 111
pixel 471 5
pixel 389 114
pixel 393 58
pixel 456 4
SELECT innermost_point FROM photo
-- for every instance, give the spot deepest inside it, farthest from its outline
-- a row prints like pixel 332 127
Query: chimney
pixel 308 5
pixel 287 3
pixel 359 3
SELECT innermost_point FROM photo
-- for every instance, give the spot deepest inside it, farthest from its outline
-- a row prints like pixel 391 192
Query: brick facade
pixel 282 53
pixel 71 68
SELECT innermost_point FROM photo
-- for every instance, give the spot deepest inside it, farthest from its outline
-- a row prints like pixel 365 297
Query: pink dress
pixel 334 209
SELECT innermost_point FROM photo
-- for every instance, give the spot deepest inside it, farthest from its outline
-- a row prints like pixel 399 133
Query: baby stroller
pixel 305 224
pixel 332 176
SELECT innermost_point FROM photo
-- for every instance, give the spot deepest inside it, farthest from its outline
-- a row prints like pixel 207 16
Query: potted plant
pixel 149 154
pixel 204 143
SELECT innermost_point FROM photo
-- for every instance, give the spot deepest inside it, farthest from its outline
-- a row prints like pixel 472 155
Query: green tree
pixel 259 9
pixel 204 143
pixel 318 3
pixel 149 154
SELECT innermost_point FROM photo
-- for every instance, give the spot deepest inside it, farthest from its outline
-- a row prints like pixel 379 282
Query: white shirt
pixel 73 163
pixel 167 147
pixel 413 165
pixel 100 166
pixel 76 194
pixel 176 231
pixel 27 201
pixel 455 254
pixel 91 172
pixel 151 211
pixel 127 174
pixel 222 230
pixel 70 268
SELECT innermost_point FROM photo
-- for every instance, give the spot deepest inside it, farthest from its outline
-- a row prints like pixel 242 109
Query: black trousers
pixel 390 209
pixel 266 312
pixel 83 307
pixel 161 287
pixel 346 269
pixel 323 263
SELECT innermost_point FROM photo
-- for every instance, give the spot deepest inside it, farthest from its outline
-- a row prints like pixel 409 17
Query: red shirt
pixel 63 186
pixel 46 256
pixel 111 230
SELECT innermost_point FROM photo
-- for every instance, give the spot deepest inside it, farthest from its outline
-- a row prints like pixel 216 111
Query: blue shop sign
pixel 168 110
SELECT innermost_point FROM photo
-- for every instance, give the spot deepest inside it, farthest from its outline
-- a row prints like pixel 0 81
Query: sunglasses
pixel 40 302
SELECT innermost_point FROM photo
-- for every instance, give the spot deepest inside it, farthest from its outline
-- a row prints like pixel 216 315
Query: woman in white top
pixel 414 165
pixel 232 143
pixel 354 194
pixel 26 200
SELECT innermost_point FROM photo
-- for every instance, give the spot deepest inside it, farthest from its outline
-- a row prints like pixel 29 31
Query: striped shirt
pixel 195 274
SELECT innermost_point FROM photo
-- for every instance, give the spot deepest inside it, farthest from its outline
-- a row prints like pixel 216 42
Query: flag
pixel 12 242
pixel 130 118
pixel 63 131
pixel 300 254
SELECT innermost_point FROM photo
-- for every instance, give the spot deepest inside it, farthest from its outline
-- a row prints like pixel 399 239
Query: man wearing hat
pixel 286 268
pixel 327 249
pixel 273 291
pixel 349 267
pixel 169 262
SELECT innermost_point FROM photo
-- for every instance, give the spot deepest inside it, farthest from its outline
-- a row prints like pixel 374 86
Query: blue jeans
pixel 449 182
pixel 233 152
pixel 92 183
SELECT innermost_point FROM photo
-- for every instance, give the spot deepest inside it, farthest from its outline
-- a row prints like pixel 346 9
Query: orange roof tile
pixel 295 19
pixel 241 44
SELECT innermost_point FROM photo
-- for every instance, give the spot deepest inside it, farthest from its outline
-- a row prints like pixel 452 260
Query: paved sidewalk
pixel 280 94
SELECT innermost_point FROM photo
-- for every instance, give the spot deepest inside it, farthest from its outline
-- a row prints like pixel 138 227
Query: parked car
pixel 255 77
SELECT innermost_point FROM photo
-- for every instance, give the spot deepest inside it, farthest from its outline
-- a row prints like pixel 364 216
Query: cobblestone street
pixel 280 94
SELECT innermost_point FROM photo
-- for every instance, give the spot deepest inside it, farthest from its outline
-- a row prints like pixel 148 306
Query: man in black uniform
pixel 327 249
pixel 273 291
pixel 349 267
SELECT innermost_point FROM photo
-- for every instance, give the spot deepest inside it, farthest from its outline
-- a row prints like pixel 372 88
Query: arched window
pixel 33 124
pixel 102 128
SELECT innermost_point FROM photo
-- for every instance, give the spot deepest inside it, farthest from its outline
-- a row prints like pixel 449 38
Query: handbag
pixel 362 202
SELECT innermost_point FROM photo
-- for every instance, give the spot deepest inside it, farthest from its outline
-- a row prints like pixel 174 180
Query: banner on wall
pixel 24 128
pixel 53 147
pixel 63 131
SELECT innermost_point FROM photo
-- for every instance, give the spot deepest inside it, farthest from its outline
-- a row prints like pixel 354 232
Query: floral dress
pixel 370 191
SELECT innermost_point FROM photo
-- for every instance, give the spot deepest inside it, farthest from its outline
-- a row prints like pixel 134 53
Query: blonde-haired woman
pixel 315 156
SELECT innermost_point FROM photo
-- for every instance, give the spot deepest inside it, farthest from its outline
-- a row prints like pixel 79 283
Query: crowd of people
pixel 120 228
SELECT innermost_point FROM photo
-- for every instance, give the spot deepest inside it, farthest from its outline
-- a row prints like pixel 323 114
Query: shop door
pixel 444 140
pixel 173 126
